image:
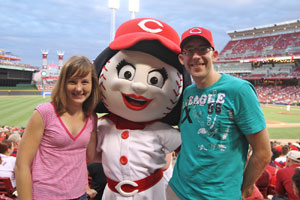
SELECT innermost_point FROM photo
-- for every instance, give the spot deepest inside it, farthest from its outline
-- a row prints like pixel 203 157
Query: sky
pixel 82 27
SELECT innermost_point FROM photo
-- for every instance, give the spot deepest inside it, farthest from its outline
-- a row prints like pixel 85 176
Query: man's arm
pixel 261 156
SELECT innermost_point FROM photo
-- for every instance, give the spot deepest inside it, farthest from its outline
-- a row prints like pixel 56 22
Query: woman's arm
pixel 91 149
pixel 26 153
pixel 91 152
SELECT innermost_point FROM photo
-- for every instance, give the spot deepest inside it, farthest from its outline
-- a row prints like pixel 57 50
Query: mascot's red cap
pixel 136 30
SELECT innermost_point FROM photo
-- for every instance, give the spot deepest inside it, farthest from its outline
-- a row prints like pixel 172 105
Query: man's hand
pixel 247 193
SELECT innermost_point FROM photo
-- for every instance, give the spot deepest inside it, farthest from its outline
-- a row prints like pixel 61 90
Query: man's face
pixel 197 57
pixel 139 87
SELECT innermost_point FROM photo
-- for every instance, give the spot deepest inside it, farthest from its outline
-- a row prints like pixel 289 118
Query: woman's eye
pixel 155 78
pixel 72 82
pixel 127 72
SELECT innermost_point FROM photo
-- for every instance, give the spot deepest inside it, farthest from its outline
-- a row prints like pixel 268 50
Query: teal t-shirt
pixel 213 125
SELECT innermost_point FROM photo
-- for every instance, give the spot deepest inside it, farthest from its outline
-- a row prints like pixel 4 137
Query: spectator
pixel 16 139
pixel 281 160
pixel 296 181
pixel 7 162
pixel 284 188
pixel 3 133
pixel 275 154
pixel 51 160
pixel 293 146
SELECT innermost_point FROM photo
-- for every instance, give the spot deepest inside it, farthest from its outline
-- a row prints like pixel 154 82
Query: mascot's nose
pixel 139 87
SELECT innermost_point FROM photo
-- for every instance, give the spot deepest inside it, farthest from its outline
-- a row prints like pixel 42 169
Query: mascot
pixel 141 81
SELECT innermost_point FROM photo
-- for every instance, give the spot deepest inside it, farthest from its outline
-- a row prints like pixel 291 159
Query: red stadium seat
pixel 6 187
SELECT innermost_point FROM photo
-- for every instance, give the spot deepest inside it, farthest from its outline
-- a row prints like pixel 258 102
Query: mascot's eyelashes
pixel 157 77
pixel 125 70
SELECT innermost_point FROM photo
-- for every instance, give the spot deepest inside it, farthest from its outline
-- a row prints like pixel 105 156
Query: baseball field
pixel 281 123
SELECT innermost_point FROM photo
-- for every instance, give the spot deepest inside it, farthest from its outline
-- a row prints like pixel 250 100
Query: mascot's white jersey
pixel 135 154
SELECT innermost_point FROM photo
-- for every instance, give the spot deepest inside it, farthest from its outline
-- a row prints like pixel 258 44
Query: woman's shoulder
pixel 44 105
pixel 46 110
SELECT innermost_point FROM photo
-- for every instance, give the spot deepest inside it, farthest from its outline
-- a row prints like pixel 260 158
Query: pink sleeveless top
pixel 59 169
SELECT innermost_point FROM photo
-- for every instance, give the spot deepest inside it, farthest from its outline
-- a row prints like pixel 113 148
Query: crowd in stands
pixel 277 180
pixel 275 183
pixel 279 94
pixel 14 64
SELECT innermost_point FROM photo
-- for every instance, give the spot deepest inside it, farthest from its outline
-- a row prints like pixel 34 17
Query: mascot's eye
pixel 155 78
pixel 127 72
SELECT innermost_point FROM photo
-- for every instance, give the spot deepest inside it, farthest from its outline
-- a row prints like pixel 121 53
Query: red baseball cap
pixel 135 30
pixel 197 32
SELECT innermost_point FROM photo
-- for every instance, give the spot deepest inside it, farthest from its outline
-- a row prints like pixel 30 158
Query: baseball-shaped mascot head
pixel 140 77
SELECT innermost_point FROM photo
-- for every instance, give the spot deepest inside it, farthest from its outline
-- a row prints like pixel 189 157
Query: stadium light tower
pixel 60 58
pixel 133 7
pixel 113 5
pixel 45 54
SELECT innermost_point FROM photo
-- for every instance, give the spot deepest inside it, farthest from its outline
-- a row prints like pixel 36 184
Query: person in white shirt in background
pixel 7 162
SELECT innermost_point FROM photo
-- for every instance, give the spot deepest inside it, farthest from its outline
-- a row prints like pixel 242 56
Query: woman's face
pixel 78 89
pixel 139 87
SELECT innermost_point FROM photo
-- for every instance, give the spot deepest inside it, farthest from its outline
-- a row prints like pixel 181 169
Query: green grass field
pixel 16 110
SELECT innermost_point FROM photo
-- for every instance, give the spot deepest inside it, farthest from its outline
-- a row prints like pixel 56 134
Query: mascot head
pixel 140 77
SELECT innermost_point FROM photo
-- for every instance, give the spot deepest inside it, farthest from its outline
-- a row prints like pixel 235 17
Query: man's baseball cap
pixel 197 32
pixel 294 155
pixel 135 30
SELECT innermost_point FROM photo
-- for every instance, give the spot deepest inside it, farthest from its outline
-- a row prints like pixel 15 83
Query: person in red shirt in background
pixel 294 146
pixel 296 181
pixel 3 132
pixel 284 183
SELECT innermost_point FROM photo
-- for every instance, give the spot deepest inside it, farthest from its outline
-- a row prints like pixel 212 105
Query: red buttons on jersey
pixel 125 135
pixel 123 160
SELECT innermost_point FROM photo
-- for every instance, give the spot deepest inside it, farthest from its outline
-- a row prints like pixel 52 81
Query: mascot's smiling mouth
pixel 135 102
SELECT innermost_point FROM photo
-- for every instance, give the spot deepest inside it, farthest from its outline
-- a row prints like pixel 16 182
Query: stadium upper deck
pixel 9 61
pixel 12 72
pixel 261 43
pixel 270 52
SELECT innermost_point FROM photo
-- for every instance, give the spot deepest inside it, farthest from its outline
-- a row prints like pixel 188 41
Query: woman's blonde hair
pixel 80 66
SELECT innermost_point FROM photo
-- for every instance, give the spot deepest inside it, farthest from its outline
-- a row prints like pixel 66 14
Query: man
pixel 220 117
pixel 284 183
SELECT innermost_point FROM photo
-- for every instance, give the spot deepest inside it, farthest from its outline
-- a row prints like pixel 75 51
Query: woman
pixel 51 160
pixel 7 162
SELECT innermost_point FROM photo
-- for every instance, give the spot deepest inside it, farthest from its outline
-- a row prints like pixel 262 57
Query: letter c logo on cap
pixel 143 26
pixel 196 31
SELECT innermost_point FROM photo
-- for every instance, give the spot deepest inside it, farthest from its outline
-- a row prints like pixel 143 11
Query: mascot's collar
pixel 122 123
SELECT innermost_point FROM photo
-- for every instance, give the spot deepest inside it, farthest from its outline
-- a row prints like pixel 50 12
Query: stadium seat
pixel 6 187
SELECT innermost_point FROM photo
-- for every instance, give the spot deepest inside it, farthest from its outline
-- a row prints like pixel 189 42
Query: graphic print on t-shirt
pixel 206 111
